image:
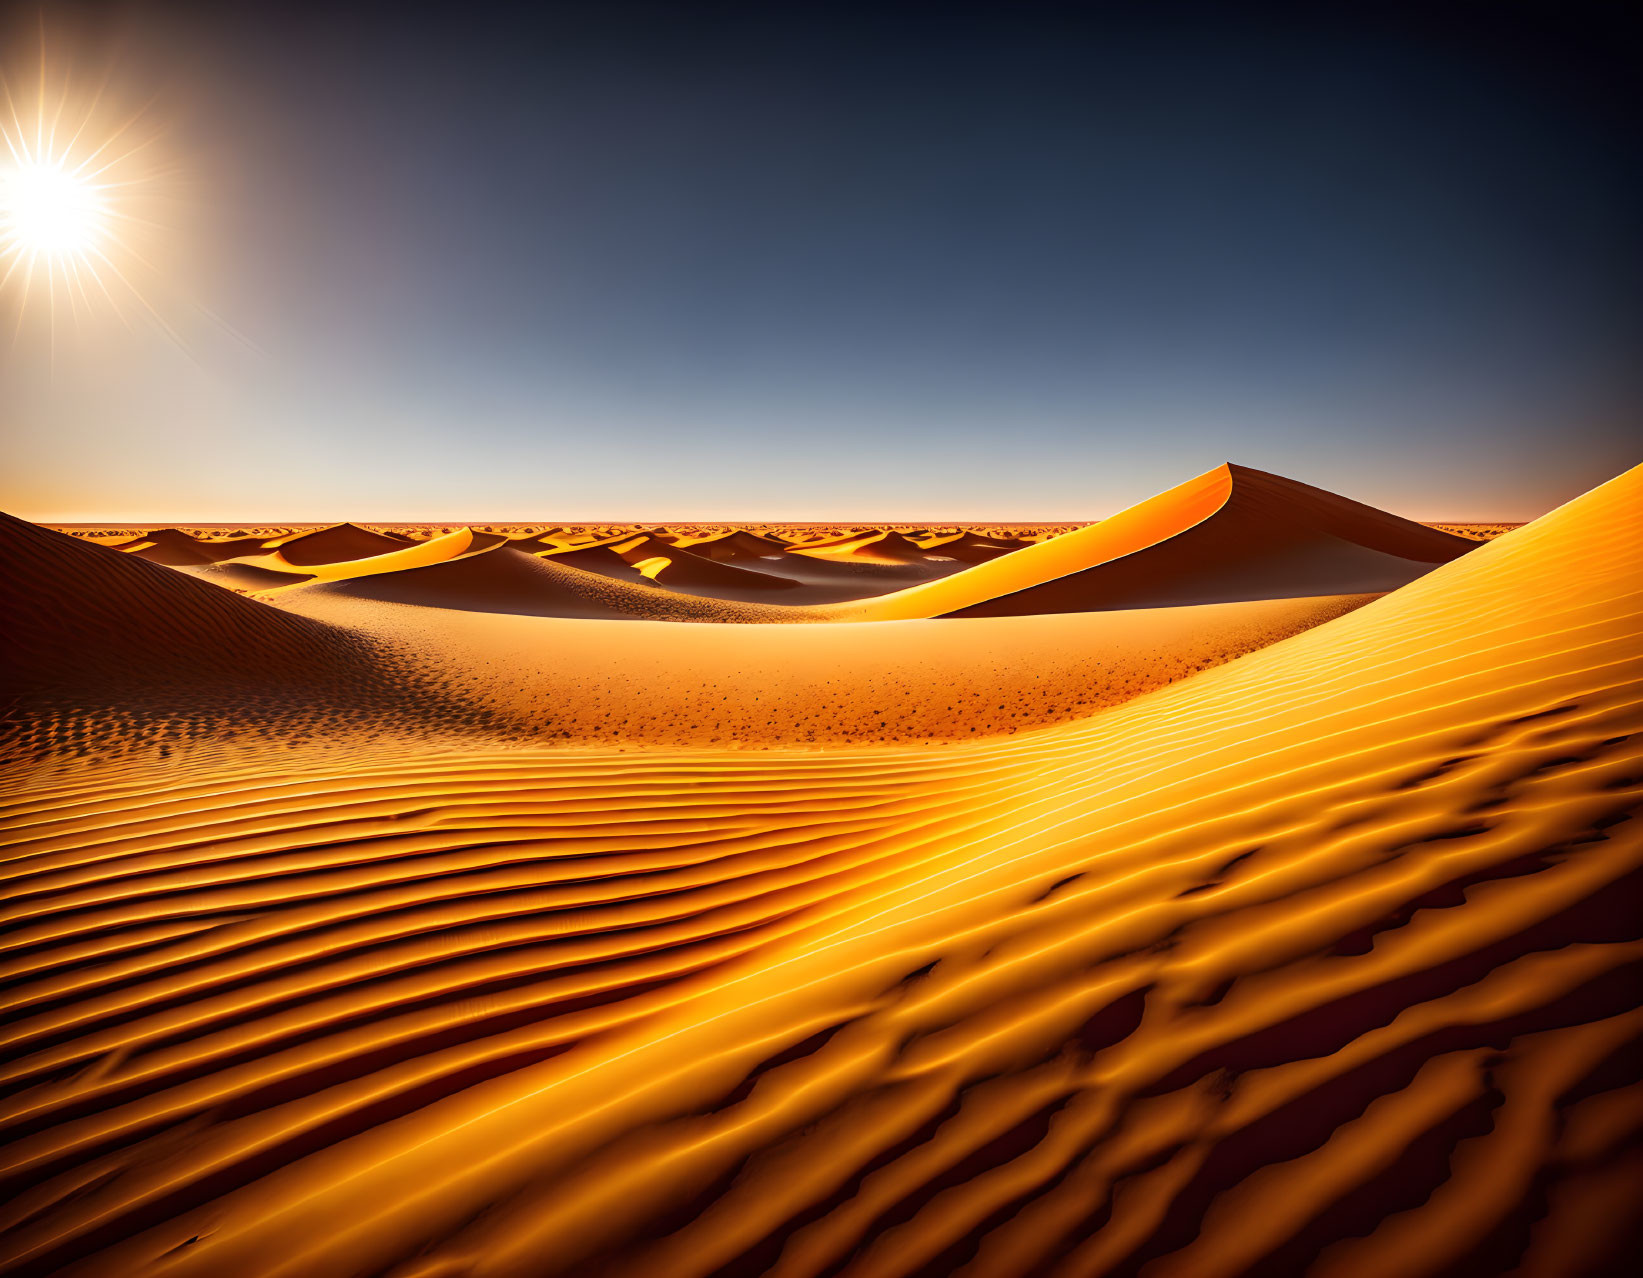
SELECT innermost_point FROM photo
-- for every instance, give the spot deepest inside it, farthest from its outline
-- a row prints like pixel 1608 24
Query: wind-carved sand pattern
pixel 1322 959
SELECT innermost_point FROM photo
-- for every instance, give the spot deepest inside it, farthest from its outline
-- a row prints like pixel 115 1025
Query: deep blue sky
pixel 947 261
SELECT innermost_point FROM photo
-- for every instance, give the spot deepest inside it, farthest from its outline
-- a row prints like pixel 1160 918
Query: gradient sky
pixel 1008 262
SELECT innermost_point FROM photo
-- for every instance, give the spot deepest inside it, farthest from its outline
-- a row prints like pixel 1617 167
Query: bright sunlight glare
pixel 87 188
pixel 49 211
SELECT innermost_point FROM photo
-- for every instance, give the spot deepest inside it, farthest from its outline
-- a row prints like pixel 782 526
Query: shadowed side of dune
pixel 791 582
pixel 681 569
pixel 505 580
pixel 93 632
pixel 878 547
pixel 715 579
pixel 968 548
pixel 1231 535
pixel 244 577
pixel 452 545
pixel 335 544
pixel 175 548
pixel 740 544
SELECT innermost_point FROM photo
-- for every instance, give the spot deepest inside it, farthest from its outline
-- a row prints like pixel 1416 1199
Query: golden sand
pixel 1319 961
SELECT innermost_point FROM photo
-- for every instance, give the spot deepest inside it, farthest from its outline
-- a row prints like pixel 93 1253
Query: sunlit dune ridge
pixel 1230 535
pixel 1322 961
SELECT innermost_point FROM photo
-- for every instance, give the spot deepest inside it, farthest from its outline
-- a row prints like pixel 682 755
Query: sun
pixel 81 180
pixel 50 212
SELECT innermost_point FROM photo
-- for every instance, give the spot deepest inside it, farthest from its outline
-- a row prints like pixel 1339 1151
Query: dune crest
pixel 176 549
pixel 1230 535
pixel 448 546
pixel 333 545
pixel 681 568
pixel 500 579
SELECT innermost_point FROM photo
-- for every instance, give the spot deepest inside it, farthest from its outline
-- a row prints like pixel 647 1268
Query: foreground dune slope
pixel 654 683
pixel 1324 961
pixel 104 649
pixel 1229 535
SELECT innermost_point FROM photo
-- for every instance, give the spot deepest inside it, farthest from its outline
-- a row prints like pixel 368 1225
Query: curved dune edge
pixel 497 579
pixel 177 549
pixel 308 548
pixel 456 545
pixel 1135 528
pixel 1321 961
pixel 1318 542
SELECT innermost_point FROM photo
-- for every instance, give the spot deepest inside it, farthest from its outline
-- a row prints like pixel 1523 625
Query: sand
pixel 1323 960
pixel 1231 534
pixel 105 652
pixel 329 545
pixel 766 686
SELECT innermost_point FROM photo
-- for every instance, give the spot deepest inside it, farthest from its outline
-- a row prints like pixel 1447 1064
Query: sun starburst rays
pixel 75 185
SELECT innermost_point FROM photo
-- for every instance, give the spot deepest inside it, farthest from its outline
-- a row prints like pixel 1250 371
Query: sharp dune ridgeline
pixel 1283 916
pixel 1229 535
pixel 329 545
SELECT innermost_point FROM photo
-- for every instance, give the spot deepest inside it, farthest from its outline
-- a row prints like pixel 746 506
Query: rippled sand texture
pixel 1324 961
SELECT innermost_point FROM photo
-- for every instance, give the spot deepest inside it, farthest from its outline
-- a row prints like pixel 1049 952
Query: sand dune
pixel 1476 532
pixel 169 546
pixel 597 558
pixel 249 578
pixel 736 545
pixel 535 543
pixel 106 649
pixel 333 545
pixel 881 546
pixel 175 548
pixel 132 621
pixel 1231 534
pixel 499 579
pixel 404 556
pixel 802 582
pixel 1323 962
pixel 830 580
pixel 968 548
pixel 679 568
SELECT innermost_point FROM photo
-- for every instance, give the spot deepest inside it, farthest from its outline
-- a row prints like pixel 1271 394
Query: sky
pixel 1012 262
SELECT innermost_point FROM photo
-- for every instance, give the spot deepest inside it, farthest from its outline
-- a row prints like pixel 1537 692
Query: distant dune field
pixel 1246 884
